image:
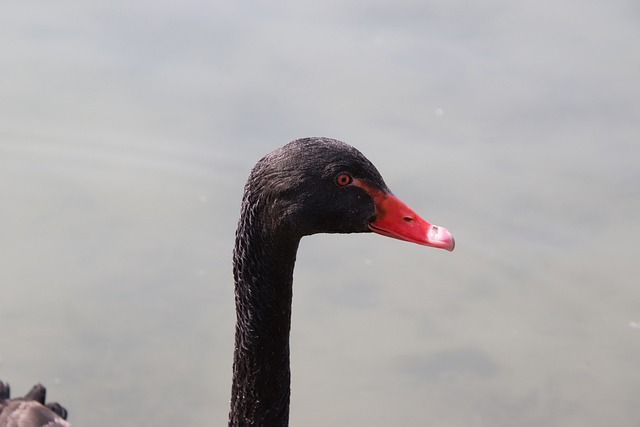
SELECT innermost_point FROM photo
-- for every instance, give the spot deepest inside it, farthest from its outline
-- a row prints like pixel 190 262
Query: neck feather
pixel 263 271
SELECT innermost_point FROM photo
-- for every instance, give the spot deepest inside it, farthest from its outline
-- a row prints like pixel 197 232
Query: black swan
pixel 312 185
pixel 30 410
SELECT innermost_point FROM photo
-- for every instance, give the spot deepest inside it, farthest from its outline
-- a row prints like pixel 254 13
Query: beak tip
pixel 440 237
pixel 448 245
pixel 452 246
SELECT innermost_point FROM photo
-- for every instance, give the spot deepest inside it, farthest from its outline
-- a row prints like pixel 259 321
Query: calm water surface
pixel 126 139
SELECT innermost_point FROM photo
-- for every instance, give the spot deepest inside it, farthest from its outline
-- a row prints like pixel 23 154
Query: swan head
pixel 322 185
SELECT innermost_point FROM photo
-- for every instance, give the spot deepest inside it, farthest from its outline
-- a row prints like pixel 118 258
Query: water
pixel 128 132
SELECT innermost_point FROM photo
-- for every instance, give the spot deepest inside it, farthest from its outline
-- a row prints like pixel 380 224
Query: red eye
pixel 344 179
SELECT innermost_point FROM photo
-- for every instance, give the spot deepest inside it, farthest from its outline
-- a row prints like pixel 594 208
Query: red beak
pixel 395 219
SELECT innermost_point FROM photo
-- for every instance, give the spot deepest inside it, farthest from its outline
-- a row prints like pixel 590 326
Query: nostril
pixel 407 219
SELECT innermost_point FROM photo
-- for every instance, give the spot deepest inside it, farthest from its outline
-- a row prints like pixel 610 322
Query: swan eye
pixel 344 179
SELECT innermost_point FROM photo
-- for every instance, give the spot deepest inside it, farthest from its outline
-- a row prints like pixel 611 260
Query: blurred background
pixel 127 130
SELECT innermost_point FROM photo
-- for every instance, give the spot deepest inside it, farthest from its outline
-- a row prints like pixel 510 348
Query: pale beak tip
pixel 452 245
pixel 440 237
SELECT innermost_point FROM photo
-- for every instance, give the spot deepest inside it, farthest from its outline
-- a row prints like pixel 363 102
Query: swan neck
pixel 263 273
